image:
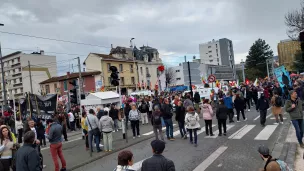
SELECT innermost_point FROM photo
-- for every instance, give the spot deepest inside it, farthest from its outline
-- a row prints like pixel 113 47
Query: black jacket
pixel 27 159
pixel 221 112
pixel 166 111
pixel 144 107
pixel 262 104
pixel 157 163
pixel 278 90
pixel 40 131
pixel 127 110
pixel 239 103
pixel 197 98
pixel 113 113
pixel 180 114
pixel 100 114
pixel 155 113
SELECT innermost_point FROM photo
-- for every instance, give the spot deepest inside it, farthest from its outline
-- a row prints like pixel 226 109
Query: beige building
pixel 17 76
pixel 286 51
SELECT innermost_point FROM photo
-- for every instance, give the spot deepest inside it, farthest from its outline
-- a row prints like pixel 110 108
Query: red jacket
pixel 266 93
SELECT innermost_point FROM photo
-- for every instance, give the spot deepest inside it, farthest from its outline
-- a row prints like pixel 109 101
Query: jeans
pixel 42 140
pixel 230 114
pixel 191 136
pixel 144 118
pixel 107 141
pixel 158 130
pixel 182 129
pixel 73 126
pixel 56 151
pixel 298 125
pixel 116 124
pixel 64 132
pixel 222 123
pixel 169 128
pixel 208 127
pixel 97 141
pixel 6 164
pixel 263 114
pixel 135 124
pixel 247 101
pixel 238 111
pixel 85 132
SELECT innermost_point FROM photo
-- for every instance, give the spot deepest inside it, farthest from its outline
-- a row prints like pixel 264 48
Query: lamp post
pixel 3 79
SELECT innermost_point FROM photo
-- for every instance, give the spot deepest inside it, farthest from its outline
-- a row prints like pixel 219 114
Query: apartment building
pixel 287 50
pixel 17 77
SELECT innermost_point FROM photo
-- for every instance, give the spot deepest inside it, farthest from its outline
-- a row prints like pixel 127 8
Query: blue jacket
pixel 55 133
pixel 228 102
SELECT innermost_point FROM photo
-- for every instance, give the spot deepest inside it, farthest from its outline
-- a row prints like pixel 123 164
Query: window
pixel 20 80
pixel 218 63
pixel 13 61
pixel 218 60
pixel 109 80
pixel 216 50
pixel 132 80
pixel 15 91
pixel 209 46
pixel 216 46
pixel 210 56
pixel 210 51
pixel 55 87
pixel 108 66
pixel 131 68
pixel 15 81
pixel 120 68
pixel 18 59
pixel 21 90
pixel 122 80
pixel 19 69
pixel 177 70
pixel 178 78
pixel 211 61
pixel 147 70
pixel 47 89
pixel 217 54
pixel 13 71
pixel 141 70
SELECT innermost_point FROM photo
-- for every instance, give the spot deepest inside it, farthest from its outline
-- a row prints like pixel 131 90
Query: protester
pixel 228 103
pixel 27 158
pixel 167 116
pixel 6 146
pixel 85 129
pixel 188 101
pixel 239 104
pixel 158 162
pixel 134 117
pixel 72 121
pixel 156 122
pixel 125 161
pixel 19 126
pixel 55 138
pixel 113 113
pixel 92 123
pixel 180 118
pixel 221 116
pixel 276 102
pixel 106 125
pixel 295 110
pixel 127 111
pixel 41 132
pixel 262 106
pixel 207 113
pixel 144 109
pixel 192 124
pixel 99 113
pixel 197 100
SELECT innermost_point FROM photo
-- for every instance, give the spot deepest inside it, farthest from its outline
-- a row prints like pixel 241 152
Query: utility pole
pixel 80 83
pixel 30 73
pixel 267 69
pixel 189 72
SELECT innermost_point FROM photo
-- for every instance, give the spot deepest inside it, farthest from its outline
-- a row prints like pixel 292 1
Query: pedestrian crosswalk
pixel 236 132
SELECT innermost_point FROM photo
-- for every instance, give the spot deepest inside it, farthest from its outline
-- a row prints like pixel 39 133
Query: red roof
pixel 70 77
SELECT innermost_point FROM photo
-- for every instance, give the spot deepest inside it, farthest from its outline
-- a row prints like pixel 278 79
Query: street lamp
pixel 3 79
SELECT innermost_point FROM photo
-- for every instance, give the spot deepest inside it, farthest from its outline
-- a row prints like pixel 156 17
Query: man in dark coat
pixel 262 106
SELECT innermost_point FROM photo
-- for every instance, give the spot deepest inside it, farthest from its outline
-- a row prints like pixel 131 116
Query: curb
pixel 109 153
pixel 291 155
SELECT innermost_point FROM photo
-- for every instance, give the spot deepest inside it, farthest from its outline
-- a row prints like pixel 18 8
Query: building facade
pixel 218 52
pixel 177 75
pixel 17 77
pixel 287 50
pixel 61 85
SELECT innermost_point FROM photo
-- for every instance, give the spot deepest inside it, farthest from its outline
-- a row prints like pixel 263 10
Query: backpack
pixel 282 164
pixel 278 102
pixel 157 120
pixel 192 120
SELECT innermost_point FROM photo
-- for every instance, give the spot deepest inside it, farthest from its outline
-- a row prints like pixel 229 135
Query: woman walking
pixel 106 126
pixel 239 104
pixel 221 115
pixel 156 122
pixel 192 124
pixel 6 146
pixel 134 117
pixel 207 113
pixel 277 103
pixel 85 130
pixel 180 118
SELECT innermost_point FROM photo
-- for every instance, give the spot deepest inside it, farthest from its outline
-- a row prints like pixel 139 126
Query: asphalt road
pixel 235 152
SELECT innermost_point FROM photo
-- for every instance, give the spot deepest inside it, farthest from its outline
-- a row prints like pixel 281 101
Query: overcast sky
pixel 174 27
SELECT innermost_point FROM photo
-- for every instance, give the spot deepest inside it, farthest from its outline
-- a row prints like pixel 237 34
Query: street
pixel 236 151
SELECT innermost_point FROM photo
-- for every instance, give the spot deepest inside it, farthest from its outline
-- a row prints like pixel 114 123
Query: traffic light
pixel 114 76
pixel 73 96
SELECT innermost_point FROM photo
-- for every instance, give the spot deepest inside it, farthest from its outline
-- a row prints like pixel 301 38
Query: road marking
pixel 241 132
pixel 274 118
pixel 266 132
pixel 65 142
pixel 217 132
pixel 152 132
pixel 259 117
pixel 269 116
pixel 206 163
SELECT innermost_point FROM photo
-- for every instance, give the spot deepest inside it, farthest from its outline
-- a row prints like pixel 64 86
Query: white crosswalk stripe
pixel 266 132
pixel 217 132
pixel 241 132
pixel 151 132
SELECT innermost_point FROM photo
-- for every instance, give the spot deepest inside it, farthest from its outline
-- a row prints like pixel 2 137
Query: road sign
pixel 211 78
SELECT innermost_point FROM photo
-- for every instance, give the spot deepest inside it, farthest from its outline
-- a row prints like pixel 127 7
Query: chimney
pixel 41 52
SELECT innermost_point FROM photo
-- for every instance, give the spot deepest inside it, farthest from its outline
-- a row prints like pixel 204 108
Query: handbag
pixel 95 131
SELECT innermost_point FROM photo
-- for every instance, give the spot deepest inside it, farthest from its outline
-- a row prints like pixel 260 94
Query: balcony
pixel 17 84
pixel 16 65
pixel 17 74
pixel 148 75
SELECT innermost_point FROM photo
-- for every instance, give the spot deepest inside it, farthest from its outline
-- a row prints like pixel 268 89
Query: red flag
pixel 247 81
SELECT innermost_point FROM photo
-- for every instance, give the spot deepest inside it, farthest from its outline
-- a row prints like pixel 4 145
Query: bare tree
pixel 170 76
pixel 294 20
